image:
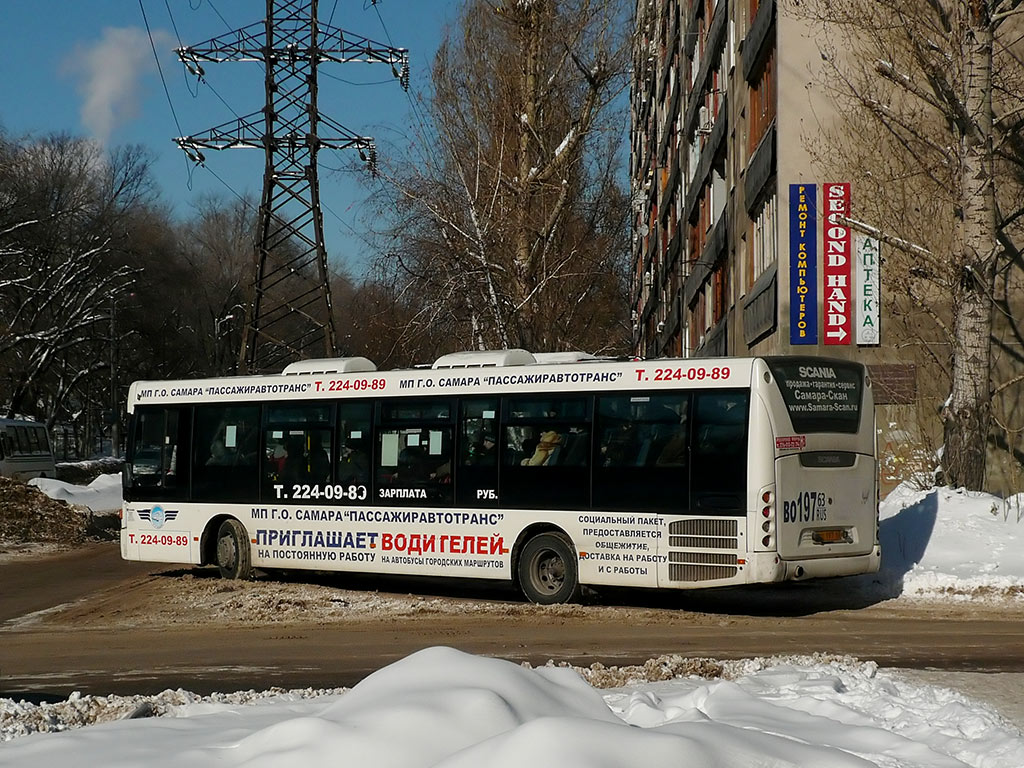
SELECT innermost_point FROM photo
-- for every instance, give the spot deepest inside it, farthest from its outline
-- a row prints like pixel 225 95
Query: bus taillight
pixel 768 515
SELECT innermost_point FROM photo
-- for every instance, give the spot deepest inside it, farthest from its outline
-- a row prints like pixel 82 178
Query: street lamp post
pixel 115 402
pixel 217 323
pixel 115 427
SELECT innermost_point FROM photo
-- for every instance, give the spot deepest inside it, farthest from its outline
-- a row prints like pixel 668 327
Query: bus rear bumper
pixel 854 565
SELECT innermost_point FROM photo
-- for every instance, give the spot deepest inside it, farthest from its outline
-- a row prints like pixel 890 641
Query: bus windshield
pixel 821 395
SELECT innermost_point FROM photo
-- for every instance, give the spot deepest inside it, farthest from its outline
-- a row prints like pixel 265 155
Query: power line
pixel 159 69
pixel 290 312
pixel 163 82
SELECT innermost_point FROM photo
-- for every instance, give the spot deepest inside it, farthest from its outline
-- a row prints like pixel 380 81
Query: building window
pixel 720 293
pixel 762 103
pixel 764 241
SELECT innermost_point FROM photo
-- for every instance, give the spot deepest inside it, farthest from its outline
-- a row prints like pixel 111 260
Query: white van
pixel 25 450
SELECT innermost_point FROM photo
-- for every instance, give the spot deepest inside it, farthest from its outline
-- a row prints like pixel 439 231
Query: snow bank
pixel 956 544
pixel 101 495
pixel 444 708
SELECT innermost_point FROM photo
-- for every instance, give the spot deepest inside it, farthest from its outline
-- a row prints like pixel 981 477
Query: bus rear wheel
pixel 548 571
pixel 234 558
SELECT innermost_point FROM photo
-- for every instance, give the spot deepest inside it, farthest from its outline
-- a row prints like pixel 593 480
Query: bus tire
pixel 548 570
pixel 234 558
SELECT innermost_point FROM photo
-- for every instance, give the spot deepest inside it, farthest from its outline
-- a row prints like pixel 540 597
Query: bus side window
pixel 355 423
pixel 297 450
pixel 643 452
pixel 21 435
pixel 476 477
pixel 546 452
pixel 225 453
pixel 159 440
pixel 415 452
pixel 33 440
pixel 719 451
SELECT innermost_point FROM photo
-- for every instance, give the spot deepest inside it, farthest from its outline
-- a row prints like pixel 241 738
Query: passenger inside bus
pixel 218 454
pixel 546 446
pixel 294 468
pixel 483 453
pixel 319 461
pixel 354 466
pixel 674 452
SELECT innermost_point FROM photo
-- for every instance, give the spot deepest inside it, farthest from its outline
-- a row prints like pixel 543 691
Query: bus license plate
pixel 830 536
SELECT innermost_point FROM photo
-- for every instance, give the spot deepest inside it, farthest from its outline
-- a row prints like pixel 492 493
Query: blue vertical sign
pixel 803 264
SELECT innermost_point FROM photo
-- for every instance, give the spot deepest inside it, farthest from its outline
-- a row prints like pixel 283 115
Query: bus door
pixel 476 481
pixel 157 465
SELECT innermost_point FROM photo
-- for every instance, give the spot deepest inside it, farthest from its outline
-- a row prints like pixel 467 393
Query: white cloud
pixel 110 72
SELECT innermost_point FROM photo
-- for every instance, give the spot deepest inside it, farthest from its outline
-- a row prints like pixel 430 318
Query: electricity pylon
pixel 289 315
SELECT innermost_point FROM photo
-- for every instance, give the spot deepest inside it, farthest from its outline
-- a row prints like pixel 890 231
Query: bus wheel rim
pixel 226 554
pixel 549 573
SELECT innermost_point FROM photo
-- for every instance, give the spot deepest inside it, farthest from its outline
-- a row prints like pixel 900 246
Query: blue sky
pixel 86 67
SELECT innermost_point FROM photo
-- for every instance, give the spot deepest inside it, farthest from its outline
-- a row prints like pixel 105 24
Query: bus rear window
pixel 821 395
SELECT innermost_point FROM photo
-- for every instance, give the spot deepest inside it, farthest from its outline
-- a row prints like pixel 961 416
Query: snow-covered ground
pixel 441 707
pixel 952 545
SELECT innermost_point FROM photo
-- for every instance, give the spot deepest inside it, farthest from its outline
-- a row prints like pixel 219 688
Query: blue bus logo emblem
pixel 157 515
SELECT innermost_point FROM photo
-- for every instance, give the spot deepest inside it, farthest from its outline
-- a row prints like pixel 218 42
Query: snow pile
pixel 441 707
pixel 951 544
pixel 101 495
pixel 21 718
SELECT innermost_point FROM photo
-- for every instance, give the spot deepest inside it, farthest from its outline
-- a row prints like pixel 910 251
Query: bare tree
pixel 510 224
pixel 934 87
pixel 217 253
pixel 58 281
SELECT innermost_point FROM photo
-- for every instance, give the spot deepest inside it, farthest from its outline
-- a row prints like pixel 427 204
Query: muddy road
pixel 84 620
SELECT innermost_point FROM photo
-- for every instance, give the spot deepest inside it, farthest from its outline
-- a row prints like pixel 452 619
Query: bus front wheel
pixel 547 570
pixel 233 556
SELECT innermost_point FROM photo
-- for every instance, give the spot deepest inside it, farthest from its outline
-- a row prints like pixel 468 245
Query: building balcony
pixel 761 306
pixel 716 341
pixel 755 45
pixel 714 249
pixel 707 159
pixel 760 171
pixel 713 51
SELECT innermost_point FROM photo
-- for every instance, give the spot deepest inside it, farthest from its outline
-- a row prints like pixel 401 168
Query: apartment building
pixel 736 249
pixel 723 187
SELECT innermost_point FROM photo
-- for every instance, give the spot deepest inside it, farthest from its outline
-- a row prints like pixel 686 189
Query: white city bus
pixel 505 465
pixel 25 450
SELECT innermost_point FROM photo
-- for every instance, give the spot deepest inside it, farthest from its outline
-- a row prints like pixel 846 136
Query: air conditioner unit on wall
pixel 704 121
